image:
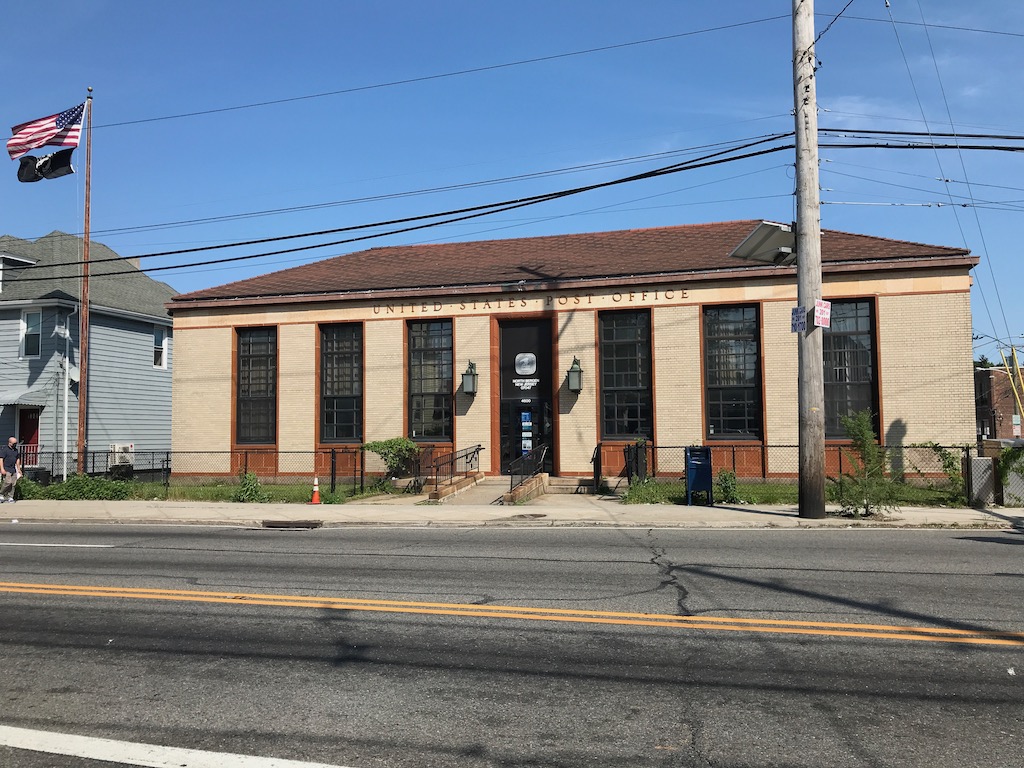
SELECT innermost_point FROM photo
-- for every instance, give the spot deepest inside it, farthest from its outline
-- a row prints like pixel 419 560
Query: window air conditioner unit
pixel 122 454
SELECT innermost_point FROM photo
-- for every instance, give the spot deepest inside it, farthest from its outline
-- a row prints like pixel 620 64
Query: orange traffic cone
pixel 316 491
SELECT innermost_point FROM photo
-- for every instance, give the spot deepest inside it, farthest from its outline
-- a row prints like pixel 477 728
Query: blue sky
pixel 398 122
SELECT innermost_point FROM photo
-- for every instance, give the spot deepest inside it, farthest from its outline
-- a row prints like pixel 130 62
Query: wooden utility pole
pixel 808 258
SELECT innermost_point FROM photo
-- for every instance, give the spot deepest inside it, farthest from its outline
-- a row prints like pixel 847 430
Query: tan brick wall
pixel 473 413
pixel 578 431
pixel 677 379
pixel 296 399
pixel 384 384
pixel 779 355
pixel 201 395
pixel 930 307
pixel 926 364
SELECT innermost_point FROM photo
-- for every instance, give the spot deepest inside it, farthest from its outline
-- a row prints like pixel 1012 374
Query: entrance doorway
pixel 28 436
pixel 526 393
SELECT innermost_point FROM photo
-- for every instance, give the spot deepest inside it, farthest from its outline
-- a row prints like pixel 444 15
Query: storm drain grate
pixel 300 524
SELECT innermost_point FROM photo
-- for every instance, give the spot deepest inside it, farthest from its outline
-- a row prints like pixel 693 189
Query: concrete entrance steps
pixel 573 485
pixel 494 490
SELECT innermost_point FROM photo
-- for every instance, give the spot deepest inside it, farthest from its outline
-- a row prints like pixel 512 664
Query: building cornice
pixel 965 261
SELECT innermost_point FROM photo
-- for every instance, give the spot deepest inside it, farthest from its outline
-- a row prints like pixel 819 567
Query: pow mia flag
pixel 46 167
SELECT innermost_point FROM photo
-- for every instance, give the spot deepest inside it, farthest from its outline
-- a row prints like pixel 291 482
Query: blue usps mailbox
pixel 698 473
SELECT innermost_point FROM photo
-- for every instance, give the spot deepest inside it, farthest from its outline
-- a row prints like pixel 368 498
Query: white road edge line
pixel 73 546
pixel 132 753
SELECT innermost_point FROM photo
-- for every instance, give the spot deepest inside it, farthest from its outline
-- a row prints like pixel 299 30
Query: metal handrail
pixel 526 466
pixel 445 468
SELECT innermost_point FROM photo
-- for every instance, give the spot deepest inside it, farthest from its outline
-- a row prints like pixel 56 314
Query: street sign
pixel 822 313
pixel 799 322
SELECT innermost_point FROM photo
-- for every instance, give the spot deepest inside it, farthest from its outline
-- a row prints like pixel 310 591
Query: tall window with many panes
pixel 341 383
pixel 625 353
pixel 430 380
pixel 256 395
pixel 732 372
pixel 849 364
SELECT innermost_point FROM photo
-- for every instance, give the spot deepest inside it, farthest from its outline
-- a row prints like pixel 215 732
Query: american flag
pixel 61 130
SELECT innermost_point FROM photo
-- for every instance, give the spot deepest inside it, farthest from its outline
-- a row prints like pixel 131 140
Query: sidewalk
pixel 550 510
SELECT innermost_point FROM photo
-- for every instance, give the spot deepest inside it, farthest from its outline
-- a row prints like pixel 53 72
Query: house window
pixel 256 399
pixel 430 380
pixel 849 365
pixel 341 383
pixel 732 372
pixel 625 351
pixel 31 333
pixel 159 347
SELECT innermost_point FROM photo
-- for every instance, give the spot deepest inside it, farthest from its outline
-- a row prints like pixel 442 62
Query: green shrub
pixel 952 467
pixel 78 488
pixel 726 489
pixel 249 490
pixel 396 454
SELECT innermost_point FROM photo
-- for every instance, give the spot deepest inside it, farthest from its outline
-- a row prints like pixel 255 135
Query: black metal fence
pixel 334 466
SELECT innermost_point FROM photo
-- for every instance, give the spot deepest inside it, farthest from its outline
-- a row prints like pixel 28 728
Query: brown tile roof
pixel 547 261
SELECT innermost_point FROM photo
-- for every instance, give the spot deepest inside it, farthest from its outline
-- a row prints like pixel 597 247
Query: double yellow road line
pixel 831 629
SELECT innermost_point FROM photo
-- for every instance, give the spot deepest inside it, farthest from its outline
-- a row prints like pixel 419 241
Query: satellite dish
pixel 73 373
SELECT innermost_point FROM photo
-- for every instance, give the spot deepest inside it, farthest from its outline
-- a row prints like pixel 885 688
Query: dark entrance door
pixel 28 436
pixel 525 360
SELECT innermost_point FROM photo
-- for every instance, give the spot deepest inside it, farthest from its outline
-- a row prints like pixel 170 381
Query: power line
pixel 472 212
pixel 829 25
pixel 425 191
pixel 457 215
pixel 440 76
pixel 534 198
pixel 937 26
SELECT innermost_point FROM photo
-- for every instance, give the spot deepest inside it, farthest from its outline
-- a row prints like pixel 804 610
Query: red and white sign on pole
pixel 822 313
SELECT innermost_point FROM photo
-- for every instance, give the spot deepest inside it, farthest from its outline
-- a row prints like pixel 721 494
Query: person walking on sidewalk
pixel 10 469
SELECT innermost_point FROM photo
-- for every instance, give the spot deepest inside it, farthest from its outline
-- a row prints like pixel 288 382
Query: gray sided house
pixel 129 362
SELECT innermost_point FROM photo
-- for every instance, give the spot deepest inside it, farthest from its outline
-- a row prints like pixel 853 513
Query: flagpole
pixel 83 334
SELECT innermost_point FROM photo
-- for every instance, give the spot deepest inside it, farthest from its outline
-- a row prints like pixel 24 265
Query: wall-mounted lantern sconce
pixel 574 377
pixel 470 379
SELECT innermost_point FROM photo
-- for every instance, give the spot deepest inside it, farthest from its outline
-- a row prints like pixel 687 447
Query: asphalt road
pixel 372 647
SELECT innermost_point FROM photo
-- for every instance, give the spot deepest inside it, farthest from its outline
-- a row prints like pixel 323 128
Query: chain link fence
pixel 930 466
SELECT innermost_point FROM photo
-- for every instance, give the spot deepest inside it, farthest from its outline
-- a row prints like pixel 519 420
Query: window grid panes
pixel 430 380
pixel 33 333
pixel 849 365
pixel 626 401
pixel 256 402
pixel 159 340
pixel 732 372
pixel 341 383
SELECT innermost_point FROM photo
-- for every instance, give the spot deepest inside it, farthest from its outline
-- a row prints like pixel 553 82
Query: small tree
pixel 1009 461
pixel 868 488
pixel 396 454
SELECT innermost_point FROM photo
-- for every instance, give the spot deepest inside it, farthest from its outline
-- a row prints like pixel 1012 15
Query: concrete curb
pixel 830 523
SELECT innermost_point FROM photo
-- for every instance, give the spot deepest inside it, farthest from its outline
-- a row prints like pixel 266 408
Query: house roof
pixel 134 291
pixel 546 262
